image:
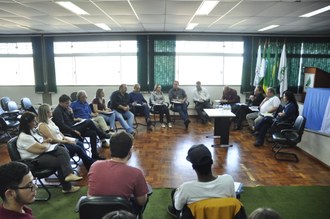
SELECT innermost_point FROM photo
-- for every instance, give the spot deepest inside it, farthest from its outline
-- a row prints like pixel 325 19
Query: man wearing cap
pixel 206 186
pixel 115 178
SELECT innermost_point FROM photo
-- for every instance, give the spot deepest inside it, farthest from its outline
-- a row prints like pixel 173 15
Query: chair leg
pixel 45 188
pixel 279 155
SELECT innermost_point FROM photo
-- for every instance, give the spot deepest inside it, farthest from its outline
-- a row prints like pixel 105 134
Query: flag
pixel 257 78
pixel 283 72
pixel 267 69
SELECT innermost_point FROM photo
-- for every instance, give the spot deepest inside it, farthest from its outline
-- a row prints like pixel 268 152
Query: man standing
pixel 17 189
pixel 120 101
pixel 140 105
pixel 115 177
pixel 178 97
pixel 207 184
pixel 202 101
pixel 63 118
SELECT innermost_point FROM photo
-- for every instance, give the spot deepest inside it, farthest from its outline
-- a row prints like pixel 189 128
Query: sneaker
pixel 186 123
pixel 171 211
pixel 133 133
pixel 72 190
pixel 71 177
pixel 169 125
pixel 163 125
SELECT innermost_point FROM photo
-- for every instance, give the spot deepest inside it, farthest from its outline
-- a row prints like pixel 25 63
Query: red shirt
pixel 113 178
pixel 7 214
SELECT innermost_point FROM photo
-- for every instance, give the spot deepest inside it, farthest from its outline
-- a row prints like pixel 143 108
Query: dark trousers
pixel 88 129
pixel 241 112
pixel 57 159
pixel 183 110
pixel 200 106
pixel 142 110
pixel 79 149
pixel 162 109
pixel 263 127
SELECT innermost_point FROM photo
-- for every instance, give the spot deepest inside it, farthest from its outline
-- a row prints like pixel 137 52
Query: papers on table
pixel 177 102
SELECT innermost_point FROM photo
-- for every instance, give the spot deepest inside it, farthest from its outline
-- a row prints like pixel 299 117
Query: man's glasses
pixel 30 186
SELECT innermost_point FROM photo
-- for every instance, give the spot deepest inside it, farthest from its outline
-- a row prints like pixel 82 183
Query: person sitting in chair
pixel 157 101
pixel 178 97
pixel 120 102
pixel 202 101
pixel 207 184
pixel 140 105
pixel 115 178
pixel 17 190
pixel 229 96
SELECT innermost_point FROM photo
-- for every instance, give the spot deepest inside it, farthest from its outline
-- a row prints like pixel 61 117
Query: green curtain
pixel 142 62
pixel 37 64
pixel 250 49
pixel 50 65
pixel 162 61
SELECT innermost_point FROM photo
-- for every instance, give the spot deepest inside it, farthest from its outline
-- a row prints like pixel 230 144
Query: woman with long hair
pixel 157 101
pixel 31 145
pixel 48 129
pixel 101 108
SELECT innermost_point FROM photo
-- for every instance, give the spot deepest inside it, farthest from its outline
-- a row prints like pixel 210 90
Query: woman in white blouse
pixel 31 145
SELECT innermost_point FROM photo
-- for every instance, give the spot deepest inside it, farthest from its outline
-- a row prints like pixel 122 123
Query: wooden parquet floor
pixel 161 154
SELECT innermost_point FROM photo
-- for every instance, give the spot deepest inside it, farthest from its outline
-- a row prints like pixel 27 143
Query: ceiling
pixel 124 16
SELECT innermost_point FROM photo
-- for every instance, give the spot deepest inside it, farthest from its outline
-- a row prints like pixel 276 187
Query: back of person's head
pixel 120 144
pixel 64 98
pixel 121 214
pixel 26 118
pixel 201 159
pixel 264 213
pixel 43 113
pixel 11 175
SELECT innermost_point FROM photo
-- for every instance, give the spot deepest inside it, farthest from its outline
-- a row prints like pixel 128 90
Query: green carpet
pixel 293 202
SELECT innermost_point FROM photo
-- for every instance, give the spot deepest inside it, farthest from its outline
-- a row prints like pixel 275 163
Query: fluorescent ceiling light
pixel 206 7
pixel 319 11
pixel 103 26
pixel 72 7
pixel 191 26
pixel 269 27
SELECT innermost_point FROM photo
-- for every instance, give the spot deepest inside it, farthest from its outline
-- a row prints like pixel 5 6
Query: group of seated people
pixel 17 188
pixel 268 113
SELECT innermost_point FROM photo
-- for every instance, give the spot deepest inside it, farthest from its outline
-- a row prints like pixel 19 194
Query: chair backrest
pixel 224 208
pixel 26 103
pixel 96 207
pixel 12 149
pixel 4 103
pixel 299 125
pixel 12 106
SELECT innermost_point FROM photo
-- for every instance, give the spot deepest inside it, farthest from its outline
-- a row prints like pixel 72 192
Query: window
pixel 96 63
pixel 213 63
pixel 16 64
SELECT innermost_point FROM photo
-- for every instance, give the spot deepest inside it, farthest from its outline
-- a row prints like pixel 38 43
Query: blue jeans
pixel 125 119
pixel 183 110
pixel 109 119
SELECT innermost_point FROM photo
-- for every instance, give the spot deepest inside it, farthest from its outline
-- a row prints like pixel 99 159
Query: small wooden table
pixel 221 125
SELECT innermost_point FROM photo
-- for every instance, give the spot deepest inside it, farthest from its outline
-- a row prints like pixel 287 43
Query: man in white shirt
pixel 269 105
pixel 207 184
pixel 202 101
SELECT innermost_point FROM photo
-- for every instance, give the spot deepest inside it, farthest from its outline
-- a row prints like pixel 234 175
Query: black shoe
pixel 107 135
pixel 149 128
pixel 258 144
pixel 186 123
pixel 171 211
pixel 255 133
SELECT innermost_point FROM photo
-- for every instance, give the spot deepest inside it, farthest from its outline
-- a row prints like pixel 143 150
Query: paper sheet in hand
pixel 81 121
pixel 106 112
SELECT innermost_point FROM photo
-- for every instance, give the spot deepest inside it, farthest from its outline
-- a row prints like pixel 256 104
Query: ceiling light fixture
pixel 191 26
pixel 269 27
pixel 206 7
pixel 73 8
pixel 103 26
pixel 319 11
